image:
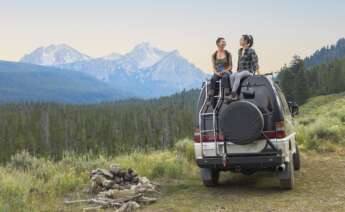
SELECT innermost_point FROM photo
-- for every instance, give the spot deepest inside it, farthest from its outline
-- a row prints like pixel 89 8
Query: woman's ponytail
pixel 251 40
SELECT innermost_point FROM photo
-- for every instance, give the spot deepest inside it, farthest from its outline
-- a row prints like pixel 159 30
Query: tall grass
pixel 28 183
pixel 321 125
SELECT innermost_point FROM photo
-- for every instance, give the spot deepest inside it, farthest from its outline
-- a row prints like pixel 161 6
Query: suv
pixel 254 133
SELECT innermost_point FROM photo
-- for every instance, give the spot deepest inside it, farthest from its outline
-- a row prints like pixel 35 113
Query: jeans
pixel 236 78
pixel 224 79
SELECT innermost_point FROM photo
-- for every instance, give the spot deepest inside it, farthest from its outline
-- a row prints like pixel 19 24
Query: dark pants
pixel 225 81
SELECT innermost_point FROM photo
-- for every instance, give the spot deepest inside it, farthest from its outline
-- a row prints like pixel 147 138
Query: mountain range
pixel 60 73
pixel 27 82
pixel 145 71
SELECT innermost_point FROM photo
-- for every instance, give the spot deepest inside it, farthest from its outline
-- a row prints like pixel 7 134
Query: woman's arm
pixel 255 61
pixel 230 64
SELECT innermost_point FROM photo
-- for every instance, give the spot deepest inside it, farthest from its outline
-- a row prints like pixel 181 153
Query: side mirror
pixel 294 108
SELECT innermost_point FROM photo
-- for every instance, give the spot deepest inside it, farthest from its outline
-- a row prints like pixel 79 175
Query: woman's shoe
pixel 226 92
pixel 234 96
pixel 227 99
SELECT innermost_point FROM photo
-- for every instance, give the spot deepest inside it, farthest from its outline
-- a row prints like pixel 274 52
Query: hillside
pixel 326 54
pixel 299 84
pixel 322 123
pixel 21 82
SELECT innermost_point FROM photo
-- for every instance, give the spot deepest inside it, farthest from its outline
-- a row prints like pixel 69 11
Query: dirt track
pixel 320 186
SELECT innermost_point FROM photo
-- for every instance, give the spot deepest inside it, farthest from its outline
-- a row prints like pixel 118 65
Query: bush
pixel 166 164
pixel 14 190
pixel 321 124
pixel 185 149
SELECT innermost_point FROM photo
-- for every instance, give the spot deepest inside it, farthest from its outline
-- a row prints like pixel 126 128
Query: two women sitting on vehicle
pixel 248 65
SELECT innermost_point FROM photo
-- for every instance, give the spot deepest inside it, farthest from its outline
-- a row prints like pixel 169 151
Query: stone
pixel 135 180
pixel 98 179
pixel 130 171
pixel 116 186
pixel 118 180
pixel 128 177
pixel 107 173
pixel 115 169
pixel 144 180
pixel 108 184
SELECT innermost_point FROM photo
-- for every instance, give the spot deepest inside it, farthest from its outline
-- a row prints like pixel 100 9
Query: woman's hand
pixel 220 74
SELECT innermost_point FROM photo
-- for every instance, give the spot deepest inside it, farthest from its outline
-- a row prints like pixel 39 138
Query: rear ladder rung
pixel 202 131
pixel 206 114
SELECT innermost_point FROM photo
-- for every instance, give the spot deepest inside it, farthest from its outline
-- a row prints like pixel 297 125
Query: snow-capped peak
pixel 145 55
pixel 53 55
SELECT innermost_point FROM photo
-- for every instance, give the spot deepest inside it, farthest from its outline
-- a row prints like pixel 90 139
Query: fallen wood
pixel 119 189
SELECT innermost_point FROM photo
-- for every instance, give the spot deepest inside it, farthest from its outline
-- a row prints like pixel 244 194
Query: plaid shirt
pixel 249 61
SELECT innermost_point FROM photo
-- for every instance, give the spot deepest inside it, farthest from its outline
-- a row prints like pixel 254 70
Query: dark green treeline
pixel 48 129
pixel 299 83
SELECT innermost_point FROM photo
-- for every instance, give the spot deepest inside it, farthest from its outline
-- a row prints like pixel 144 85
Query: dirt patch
pixel 320 186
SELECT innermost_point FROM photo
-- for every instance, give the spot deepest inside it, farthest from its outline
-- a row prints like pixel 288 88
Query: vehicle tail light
pixel 280 130
pixel 206 138
pixel 196 135
pixel 278 133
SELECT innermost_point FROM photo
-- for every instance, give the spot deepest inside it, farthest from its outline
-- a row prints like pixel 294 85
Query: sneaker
pixel 227 99
pixel 234 96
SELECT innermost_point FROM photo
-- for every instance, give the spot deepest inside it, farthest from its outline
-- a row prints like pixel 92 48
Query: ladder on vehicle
pixel 203 114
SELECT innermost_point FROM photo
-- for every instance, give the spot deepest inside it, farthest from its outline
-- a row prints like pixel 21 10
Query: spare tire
pixel 241 122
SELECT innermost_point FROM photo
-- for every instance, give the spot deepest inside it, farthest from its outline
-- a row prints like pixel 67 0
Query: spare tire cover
pixel 241 122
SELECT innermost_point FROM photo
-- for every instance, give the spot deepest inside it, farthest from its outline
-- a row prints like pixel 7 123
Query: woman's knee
pixel 233 76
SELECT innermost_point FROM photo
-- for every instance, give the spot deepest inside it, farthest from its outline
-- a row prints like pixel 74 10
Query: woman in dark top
pixel 248 64
pixel 222 65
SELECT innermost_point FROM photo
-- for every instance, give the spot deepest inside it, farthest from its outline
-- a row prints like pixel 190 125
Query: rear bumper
pixel 238 162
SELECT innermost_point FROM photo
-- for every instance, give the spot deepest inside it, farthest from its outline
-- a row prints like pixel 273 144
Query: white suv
pixel 254 133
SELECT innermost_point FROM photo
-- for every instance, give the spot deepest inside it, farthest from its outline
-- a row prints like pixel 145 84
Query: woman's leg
pixel 232 79
pixel 212 87
pixel 237 79
pixel 226 83
pixel 214 79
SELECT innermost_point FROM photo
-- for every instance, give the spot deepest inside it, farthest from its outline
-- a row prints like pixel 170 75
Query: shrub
pixel 185 149
pixel 321 123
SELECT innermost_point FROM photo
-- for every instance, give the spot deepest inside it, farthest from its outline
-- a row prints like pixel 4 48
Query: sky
pixel 280 29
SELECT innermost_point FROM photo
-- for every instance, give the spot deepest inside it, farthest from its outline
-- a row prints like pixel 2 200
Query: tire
pixel 248 172
pixel 210 177
pixel 296 159
pixel 238 128
pixel 287 177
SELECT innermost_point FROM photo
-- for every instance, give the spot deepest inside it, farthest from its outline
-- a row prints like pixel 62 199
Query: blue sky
pixel 280 28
